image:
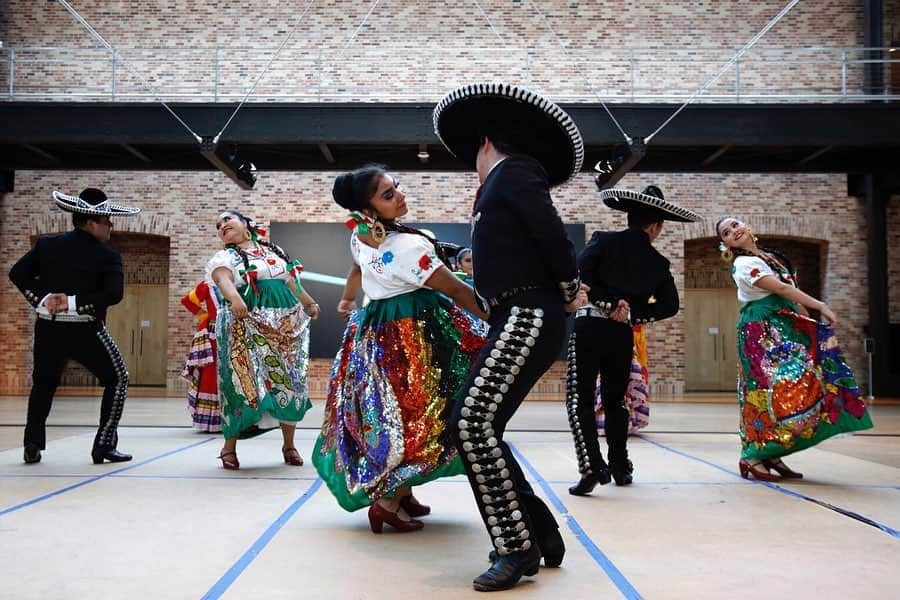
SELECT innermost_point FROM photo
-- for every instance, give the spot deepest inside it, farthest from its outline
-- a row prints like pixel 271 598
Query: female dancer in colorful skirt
pixel 200 366
pixel 637 393
pixel 262 334
pixel 403 358
pixel 794 388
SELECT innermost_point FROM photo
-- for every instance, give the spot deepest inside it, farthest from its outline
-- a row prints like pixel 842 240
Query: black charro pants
pixel 605 347
pixel 90 344
pixel 525 337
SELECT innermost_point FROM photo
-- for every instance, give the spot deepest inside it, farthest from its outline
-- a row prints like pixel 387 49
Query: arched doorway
pixel 139 323
pixel 711 307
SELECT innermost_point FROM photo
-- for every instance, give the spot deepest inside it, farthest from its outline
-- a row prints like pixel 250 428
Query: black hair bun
pixel 343 192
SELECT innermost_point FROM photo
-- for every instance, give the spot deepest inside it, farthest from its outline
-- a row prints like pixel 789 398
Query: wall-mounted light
pixel 423 155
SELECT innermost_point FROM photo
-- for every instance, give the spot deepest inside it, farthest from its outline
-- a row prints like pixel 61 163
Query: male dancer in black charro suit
pixel 527 279
pixel 623 271
pixel 70 280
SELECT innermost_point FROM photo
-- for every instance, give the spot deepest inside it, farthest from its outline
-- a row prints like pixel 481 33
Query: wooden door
pixel 710 350
pixel 120 323
pixel 151 335
pixel 139 325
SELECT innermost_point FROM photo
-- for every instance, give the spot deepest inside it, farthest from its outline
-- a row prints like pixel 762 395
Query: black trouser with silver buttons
pixel 90 344
pixel 605 347
pixel 525 336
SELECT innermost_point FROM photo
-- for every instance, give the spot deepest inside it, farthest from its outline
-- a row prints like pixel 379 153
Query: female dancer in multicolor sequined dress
pixel 403 358
pixel 794 388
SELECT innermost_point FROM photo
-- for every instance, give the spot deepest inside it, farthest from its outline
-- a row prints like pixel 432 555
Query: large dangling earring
pixel 378 231
pixel 752 235
pixel 247 235
pixel 726 253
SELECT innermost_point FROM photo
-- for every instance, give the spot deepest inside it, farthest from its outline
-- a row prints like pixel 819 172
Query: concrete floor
pixel 174 524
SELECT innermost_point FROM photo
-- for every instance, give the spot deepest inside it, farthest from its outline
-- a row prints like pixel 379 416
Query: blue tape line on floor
pixel 99 477
pixel 843 511
pixel 596 553
pixel 222 585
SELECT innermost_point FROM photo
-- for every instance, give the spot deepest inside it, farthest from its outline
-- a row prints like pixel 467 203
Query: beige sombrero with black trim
pixel 531 123
pixel 649 202
pixel 92 201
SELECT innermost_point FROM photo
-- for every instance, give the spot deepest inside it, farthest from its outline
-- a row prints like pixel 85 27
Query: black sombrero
pixel 649 202
pixel 534 125
pixel 92 201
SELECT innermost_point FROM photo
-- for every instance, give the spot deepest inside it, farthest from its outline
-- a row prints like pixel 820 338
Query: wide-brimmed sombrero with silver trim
pixel 92 201
pixel 528 121
pixel 649 202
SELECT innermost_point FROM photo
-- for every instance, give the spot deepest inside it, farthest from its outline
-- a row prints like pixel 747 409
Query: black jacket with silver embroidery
pixel 625 265
pixel 518 239
pixel 76 264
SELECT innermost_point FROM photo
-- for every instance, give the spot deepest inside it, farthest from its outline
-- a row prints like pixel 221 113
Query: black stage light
pixel 241 171
pixel 621 160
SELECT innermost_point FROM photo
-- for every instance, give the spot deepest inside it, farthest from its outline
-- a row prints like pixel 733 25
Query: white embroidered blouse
pixel 746 271
pixel 402 263
pixel 268 265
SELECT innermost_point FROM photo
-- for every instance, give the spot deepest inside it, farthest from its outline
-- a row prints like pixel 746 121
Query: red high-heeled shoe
pixel 757 470
pixel 413 507
pixel 231 463
pixel 783 469
pixel 379 515
pixel 292 457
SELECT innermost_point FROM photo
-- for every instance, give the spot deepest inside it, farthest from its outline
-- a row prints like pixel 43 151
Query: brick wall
pixel 410 49
pixel 183 206
pixel 414 41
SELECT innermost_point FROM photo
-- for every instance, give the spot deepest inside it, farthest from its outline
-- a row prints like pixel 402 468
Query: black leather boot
pixel 590 481
pixel 508 570
pixel 32 454
pixel 622 471
pixel 99 454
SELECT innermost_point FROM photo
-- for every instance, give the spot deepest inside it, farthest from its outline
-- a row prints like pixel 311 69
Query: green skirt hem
pixel 846 424
pixel 337 482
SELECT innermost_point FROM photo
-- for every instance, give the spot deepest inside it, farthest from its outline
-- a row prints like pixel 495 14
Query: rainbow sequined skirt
pixel 401 362
pixel 794 387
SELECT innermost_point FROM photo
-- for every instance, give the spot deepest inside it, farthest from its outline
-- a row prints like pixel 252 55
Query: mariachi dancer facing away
pixel 70 280
pixel 623 271
pixel 526 276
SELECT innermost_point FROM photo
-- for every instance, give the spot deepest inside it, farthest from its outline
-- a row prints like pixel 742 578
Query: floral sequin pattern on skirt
pixel 794 388
pixel 263 363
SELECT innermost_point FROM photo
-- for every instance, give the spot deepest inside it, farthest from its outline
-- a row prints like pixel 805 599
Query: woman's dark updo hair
pixel 352 190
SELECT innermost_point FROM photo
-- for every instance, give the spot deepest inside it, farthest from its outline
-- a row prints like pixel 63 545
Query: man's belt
pixel 598 308
pixel 510 293
pixel 66 318
pixel 592 311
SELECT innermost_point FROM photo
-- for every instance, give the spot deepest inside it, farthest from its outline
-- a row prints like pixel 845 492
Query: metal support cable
pixel 361 25
pixel 727 66
pixel 260 76
pixel 570 57
pixel 355 32
pixel 490 24
pixel 134 72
